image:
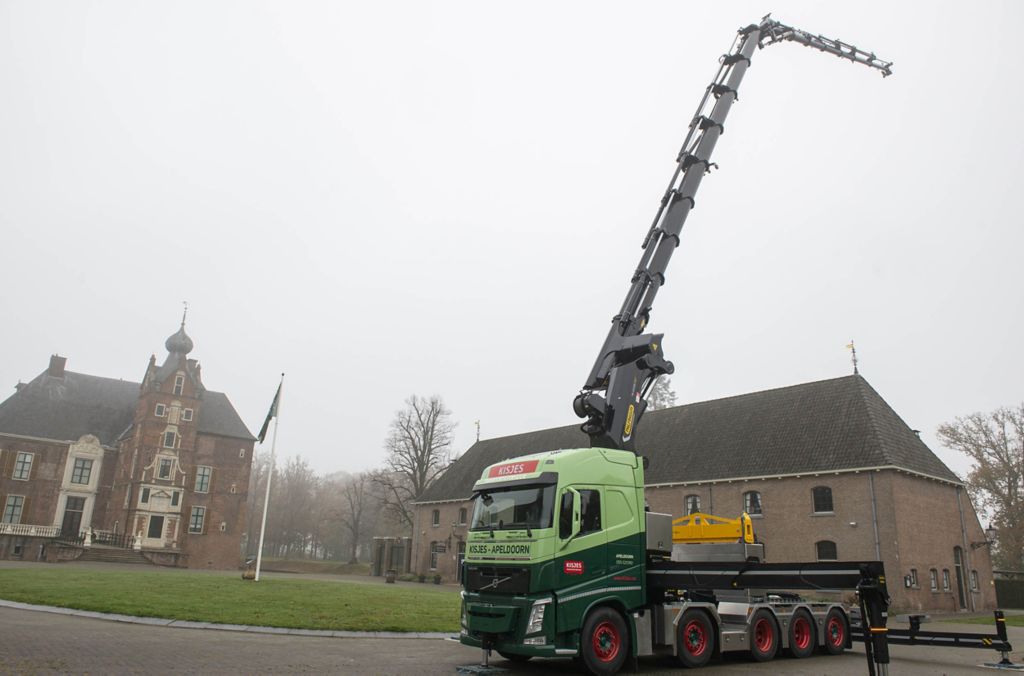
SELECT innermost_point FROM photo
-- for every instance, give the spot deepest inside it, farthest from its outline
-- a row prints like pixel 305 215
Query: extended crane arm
pixel 629 361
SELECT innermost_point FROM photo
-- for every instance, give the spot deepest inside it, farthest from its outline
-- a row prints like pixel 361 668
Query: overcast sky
pixel 388 198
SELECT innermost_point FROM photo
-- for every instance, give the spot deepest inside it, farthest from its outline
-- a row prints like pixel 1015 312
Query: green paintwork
pixel 605 567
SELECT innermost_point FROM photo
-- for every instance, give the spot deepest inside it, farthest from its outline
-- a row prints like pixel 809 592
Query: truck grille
pixel 497 579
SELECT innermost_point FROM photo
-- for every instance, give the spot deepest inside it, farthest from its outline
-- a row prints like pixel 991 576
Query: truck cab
pixel 556 551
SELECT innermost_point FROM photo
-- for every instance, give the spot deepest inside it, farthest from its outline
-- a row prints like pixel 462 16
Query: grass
pixel 1011 620
pixel 183 595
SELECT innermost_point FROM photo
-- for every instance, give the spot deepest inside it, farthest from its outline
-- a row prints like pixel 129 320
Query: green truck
pixel 563 558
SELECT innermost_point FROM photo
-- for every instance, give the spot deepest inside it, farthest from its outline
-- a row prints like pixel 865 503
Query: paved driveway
pixel 36 642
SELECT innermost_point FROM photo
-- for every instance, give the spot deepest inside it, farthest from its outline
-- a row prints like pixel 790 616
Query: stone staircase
pixel 112 555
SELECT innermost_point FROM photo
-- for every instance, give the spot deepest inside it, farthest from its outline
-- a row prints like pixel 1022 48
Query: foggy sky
pixel 388 198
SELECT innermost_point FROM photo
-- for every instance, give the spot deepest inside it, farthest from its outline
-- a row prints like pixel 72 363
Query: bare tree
pixel 355 494
pixel 419 446
pixel 995 444
pixel 661 395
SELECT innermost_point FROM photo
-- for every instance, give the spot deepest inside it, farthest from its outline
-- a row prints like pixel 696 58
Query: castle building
pixel 827 471
pixel 160 467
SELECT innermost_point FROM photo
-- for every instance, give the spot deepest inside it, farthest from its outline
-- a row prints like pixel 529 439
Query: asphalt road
pixel 38 643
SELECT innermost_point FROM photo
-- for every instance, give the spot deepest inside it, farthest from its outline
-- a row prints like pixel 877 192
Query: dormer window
pixel 186 415
pixel 169 439
pixel 179 385
pixel 161 411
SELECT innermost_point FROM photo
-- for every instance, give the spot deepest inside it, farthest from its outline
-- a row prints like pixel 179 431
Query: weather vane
pixel 185 313
pixel 477 430
pixel 853 356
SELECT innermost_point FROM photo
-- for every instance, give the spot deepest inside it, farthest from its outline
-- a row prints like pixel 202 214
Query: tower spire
pixel 185 313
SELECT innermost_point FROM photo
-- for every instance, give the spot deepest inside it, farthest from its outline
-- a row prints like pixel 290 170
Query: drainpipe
pixel 874 516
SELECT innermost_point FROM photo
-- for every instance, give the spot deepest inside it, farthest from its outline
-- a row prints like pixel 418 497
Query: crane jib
pixel 613 398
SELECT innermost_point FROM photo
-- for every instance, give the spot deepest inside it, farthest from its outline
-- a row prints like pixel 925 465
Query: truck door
pixel 582 560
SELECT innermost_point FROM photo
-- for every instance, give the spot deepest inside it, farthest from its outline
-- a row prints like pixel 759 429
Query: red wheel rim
pixel 836 631
pixel 695 638
pixel 606 641
pixel 801 633
pixel 763 637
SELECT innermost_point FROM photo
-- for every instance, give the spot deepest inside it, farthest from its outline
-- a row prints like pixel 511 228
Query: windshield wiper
pixel 522 524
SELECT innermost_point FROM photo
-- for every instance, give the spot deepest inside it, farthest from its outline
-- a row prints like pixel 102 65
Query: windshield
pixel 529 507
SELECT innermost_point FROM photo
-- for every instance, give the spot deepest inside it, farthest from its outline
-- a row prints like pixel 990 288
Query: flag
pixel 271 414
pixel 849 346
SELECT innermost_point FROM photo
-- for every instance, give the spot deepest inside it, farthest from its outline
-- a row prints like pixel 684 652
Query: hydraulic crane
pixel 613 398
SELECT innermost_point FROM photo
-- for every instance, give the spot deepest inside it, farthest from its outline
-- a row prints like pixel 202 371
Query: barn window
pixel 692 504
pixel 752 502
pixel 826 550
pixel 822 500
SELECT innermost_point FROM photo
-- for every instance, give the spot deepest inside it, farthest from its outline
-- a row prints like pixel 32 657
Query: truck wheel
pixel 604 644
pixel 801 634
pixel 512 657
pixel 836 631
pixel 695 635
pixel 764 636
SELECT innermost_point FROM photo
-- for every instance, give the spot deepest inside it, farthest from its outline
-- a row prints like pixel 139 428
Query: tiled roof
pixel 824 426
pixel 65 408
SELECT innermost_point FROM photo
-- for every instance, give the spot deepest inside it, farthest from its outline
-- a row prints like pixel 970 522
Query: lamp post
pixel 990 539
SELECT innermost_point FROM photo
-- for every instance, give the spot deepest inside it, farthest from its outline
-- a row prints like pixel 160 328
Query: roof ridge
pixel 759 392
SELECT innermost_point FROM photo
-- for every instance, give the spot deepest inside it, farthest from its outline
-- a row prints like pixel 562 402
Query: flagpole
pixel 270 475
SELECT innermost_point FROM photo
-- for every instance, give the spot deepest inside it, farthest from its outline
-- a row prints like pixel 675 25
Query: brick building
pixel 161 466
pixel 827 470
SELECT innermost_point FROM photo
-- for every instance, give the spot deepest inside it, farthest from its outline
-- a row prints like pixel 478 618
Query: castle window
pixel 752 502
pixel 169 439
pixel 174 498
pixel 196 519
pixel 203 475
pixel 13 508
pixel 186 415
pixel 23 466
pixel 826 550
pixel 82 471
pixel 692 504
pixel 144 498
pixel 934 579
pixel 179 385
pixel 164 471
pixel 945 579
pixel 161 411
pixel 974 580
pixel 913 577
pixel 435 518
pixel 822 496
pixel 433 555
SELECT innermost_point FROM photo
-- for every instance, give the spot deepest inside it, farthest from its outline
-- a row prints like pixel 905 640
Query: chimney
pixel 57 363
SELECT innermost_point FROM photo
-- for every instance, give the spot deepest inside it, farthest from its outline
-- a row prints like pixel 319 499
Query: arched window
pixel 752 502
pixel 822 499
pixel 692 504
pixel 934 579
pixel 974 580
pixel 826 550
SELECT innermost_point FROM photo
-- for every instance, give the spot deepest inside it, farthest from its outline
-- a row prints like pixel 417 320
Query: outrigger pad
pixel 480 670
pixel 1007 666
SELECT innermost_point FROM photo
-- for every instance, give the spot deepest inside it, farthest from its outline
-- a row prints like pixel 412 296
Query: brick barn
pixel 827 470
pixel 159 468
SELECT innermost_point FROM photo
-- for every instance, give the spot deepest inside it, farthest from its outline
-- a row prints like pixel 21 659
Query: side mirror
pixel 569 522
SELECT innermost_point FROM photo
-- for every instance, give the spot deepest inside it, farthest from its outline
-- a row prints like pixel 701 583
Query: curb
pixel 246 628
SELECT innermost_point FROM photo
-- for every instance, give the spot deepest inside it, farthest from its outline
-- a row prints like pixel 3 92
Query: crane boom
pixel 630 361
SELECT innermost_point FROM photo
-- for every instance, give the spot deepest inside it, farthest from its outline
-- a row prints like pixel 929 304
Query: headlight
pixel 535 623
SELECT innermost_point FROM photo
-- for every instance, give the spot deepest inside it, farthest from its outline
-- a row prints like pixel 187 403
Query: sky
pixel 388 198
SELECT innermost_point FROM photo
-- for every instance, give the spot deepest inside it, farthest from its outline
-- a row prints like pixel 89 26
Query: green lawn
pixel 1011 620
pixel 182 595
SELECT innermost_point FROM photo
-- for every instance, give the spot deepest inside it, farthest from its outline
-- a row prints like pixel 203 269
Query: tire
pixel 604 643
pixel 695 639
pixel 764 636
pixel 837 630
pixel 512 657
pixel 802 640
